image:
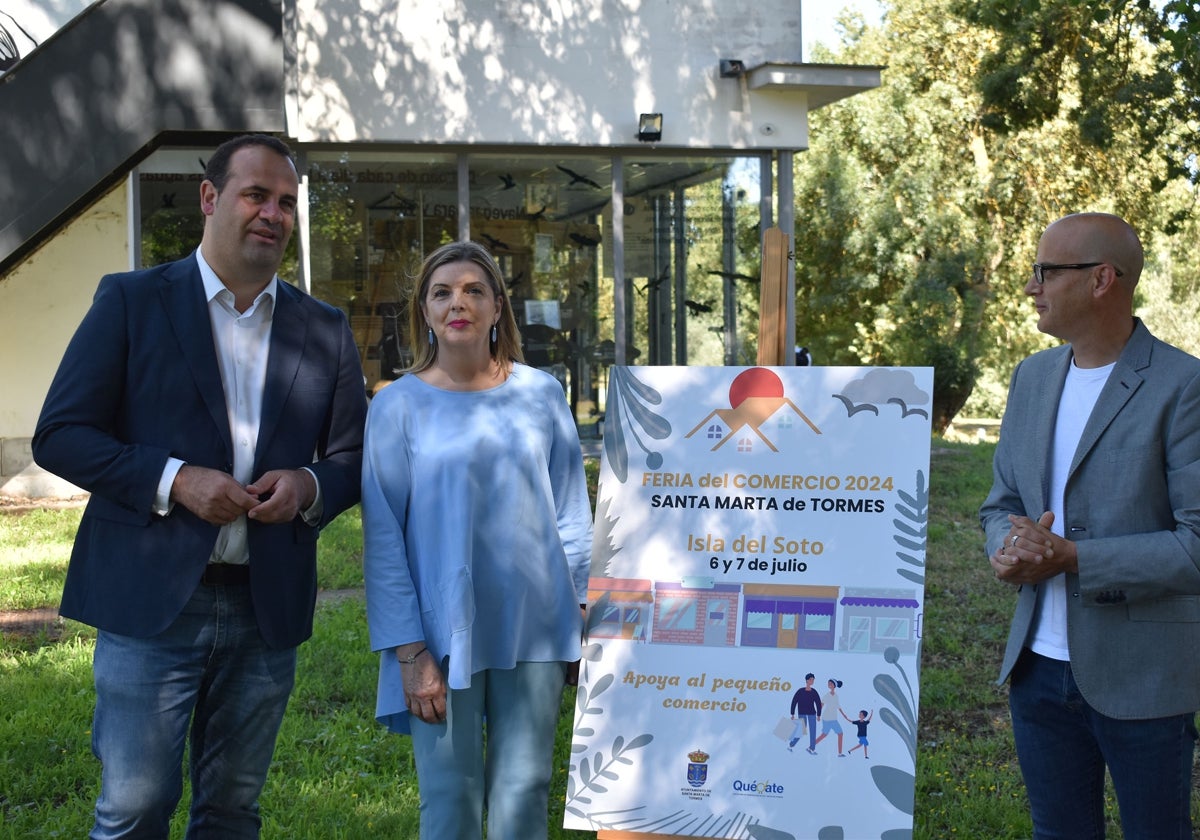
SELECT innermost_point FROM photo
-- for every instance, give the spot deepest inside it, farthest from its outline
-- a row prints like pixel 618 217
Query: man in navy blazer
pixel 215 414
pixel 1094 516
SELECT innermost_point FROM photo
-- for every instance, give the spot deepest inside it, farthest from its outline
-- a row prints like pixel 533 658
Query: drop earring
pixel 493 333
pixel 431 336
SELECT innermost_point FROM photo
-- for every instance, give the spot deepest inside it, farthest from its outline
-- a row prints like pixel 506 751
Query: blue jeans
pixel 811 722
pixel 457 780
pixel 211 669
pixel 1063 745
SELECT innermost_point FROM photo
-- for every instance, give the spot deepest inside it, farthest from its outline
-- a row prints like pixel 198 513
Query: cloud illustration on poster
pixel 881 386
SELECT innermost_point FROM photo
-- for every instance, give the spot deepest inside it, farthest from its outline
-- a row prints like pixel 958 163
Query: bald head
pixel 1094 261
pixel 1101 237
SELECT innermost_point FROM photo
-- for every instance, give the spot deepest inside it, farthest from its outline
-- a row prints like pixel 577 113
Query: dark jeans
pixel 209 672
pixel 1063 745
pixel 811 721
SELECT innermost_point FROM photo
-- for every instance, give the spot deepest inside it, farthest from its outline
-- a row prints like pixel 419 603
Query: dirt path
pixel 45 620
pixel 14 504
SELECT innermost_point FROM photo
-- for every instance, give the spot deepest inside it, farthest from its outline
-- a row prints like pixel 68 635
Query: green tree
pixel 1135 62
pixel 917 220
pixel 894 246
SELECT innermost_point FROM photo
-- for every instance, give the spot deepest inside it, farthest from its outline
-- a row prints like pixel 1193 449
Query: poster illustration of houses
pixel 750 665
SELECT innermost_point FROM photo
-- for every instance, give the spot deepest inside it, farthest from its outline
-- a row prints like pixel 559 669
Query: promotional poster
pixel 750 665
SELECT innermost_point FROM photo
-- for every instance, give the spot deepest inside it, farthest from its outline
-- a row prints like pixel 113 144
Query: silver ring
pixel 1014 541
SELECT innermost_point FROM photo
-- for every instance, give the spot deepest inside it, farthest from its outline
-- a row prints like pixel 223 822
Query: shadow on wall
pixel 92 109
pixel 540 63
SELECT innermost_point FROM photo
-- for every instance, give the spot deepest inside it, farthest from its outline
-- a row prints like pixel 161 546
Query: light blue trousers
pixel 460 777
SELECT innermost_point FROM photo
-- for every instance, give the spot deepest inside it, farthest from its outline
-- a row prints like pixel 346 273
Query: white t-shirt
pixel 1079 395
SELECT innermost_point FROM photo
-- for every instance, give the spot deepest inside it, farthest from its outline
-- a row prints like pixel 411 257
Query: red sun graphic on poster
pixel 754 396
pixel 755 382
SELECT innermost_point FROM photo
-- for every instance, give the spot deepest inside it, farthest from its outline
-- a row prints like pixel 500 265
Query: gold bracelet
pixel 408 660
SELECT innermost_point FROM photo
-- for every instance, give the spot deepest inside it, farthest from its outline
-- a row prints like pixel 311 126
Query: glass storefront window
pixel 691 234
pixel 692 243
pixel 169 205
pixel 373 216
pixel 691 251
pixel 539 216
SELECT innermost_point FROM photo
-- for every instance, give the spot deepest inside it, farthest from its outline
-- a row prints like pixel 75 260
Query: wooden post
pixel 773 342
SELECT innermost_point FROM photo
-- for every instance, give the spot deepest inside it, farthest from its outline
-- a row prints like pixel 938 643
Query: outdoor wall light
pixel 649 128
pixel 731 68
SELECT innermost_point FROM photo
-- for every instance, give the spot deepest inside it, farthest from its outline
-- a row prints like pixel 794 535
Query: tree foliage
pixel 919 205
pixel 893 252
pixel 1135 62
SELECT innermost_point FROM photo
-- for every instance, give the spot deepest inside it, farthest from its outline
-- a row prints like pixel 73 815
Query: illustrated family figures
pixel 806 709
pixel 808 706
pixel 864 717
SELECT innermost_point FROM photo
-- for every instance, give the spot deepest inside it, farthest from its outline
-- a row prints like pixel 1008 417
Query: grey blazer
pixel 1132 505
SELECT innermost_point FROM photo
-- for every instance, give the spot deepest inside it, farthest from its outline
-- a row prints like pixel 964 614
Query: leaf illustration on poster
pixel 761 832
pixel 627 411
pixel 603 546
pixel 896 784
pixel 752 526
pixel 585 777
pixel 912 532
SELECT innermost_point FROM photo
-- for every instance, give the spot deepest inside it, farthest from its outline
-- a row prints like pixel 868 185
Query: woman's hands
pixel 424 683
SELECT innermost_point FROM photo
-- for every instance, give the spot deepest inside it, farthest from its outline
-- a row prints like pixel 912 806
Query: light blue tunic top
pixel 477 528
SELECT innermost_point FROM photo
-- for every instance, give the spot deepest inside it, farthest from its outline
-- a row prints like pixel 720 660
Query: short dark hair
pixel 217 169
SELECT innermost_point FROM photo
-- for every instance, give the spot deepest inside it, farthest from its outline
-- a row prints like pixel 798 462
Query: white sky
pixel 817 18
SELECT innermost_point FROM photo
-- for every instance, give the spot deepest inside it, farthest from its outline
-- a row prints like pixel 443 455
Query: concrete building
pixel 619 157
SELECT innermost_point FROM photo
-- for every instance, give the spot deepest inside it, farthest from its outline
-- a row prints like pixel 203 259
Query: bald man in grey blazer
pixel 1094 520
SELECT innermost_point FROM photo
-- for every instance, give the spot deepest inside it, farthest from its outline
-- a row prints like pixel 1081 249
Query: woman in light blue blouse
pixel 477 537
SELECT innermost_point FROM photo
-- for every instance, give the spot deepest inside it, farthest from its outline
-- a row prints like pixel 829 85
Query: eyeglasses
pixel 1040 269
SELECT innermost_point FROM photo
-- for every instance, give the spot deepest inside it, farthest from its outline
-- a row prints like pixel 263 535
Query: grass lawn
pixel 339 775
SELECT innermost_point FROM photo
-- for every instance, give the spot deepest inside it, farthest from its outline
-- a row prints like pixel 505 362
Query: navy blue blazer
pixel 139 383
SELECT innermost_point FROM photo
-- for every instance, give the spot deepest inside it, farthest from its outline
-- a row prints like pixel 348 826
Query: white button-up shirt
pixel 243 342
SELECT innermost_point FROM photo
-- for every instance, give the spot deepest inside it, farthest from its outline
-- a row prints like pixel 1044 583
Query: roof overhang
pixel 824 83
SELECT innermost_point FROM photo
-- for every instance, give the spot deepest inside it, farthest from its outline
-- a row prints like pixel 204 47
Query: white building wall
pixel 41 303
pixel 487 74
pixel 543 72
